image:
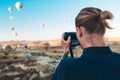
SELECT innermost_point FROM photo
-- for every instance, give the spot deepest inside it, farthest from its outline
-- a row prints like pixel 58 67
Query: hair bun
pixel 106 15
pixel 93 20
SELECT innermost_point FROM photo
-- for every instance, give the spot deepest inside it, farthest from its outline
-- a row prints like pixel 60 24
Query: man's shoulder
pixel 115 55
pixel 67 61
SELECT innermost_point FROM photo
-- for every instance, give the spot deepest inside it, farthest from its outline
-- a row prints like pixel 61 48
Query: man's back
pixel 96 63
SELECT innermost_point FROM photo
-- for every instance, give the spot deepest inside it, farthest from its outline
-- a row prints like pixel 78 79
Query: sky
pixel 51 13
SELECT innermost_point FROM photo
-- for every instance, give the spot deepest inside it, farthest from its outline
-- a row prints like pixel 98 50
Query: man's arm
pixel 60 71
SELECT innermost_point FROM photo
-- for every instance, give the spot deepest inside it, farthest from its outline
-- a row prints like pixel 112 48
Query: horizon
pixel 109 38
pixel 47 20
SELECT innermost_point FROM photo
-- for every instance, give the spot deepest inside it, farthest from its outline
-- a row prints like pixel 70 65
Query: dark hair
pixel 93 20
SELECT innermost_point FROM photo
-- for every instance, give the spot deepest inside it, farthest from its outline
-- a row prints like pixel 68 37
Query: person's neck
pixel 93 41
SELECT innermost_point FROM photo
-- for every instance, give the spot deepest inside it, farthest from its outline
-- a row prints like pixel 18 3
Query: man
pixel 97 62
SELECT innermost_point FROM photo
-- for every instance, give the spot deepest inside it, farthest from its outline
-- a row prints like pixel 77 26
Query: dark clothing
pixel 96 63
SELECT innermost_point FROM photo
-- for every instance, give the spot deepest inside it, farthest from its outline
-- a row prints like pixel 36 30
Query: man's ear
pixel 79 31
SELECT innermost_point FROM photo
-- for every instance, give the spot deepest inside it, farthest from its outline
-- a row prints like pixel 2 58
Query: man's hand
pixel 65 44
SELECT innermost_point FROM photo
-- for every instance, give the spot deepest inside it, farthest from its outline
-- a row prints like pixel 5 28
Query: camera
pixel 74 40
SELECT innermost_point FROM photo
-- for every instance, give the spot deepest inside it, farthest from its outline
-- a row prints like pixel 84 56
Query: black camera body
pixel 74 40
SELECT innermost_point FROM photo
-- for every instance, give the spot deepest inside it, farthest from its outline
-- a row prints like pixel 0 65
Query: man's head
pixel 91 22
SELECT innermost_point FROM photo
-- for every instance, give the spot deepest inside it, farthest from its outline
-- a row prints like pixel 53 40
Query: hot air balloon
pixel 45 45
pixel 10 9
pixel 30 17
pixel 11 17
pixel 65 16
pixel 12 28
pixel 25 46
pixel 42 25
pixel 18 5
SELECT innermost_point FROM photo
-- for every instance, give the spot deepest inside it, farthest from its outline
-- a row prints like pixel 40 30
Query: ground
pixel 35 64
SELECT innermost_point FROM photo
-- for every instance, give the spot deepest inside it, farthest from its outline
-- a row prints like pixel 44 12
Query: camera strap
pixel 71 52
